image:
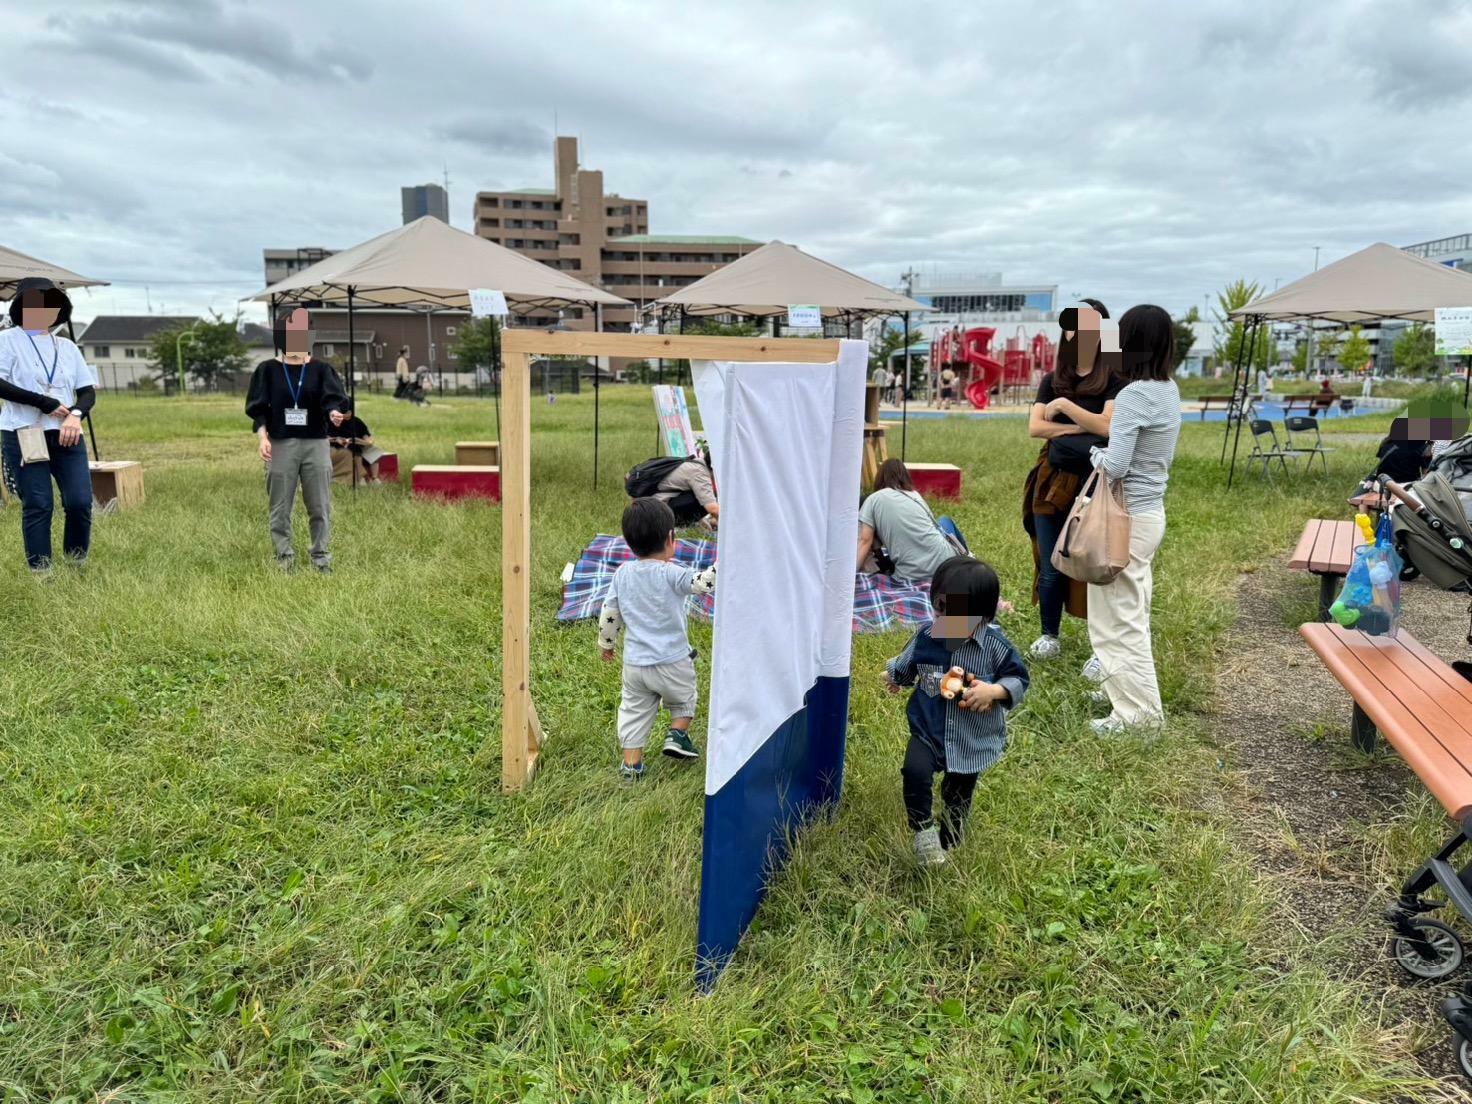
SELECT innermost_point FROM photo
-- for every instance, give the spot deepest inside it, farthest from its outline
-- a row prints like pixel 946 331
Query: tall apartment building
pixel 424 199
pixel 600 237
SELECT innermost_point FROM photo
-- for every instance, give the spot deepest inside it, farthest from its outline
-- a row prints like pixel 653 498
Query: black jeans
pixel 923 761
pixel 1052 583
pixel 32 485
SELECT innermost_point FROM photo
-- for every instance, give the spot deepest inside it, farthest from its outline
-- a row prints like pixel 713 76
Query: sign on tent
pixel 1454 331
pixel 487 303
pixel 804 317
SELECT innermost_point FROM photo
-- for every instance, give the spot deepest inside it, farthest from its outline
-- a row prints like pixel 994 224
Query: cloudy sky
pixel 1139 151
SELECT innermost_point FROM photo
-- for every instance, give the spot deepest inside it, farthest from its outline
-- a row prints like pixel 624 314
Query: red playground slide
pixel 968 353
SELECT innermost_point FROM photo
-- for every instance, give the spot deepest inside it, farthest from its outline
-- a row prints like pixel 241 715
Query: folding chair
pixel 1260 428
pixel 1302 425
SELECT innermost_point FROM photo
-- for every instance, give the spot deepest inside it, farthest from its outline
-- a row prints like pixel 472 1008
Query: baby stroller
pixel 417 392
pixel 1432 522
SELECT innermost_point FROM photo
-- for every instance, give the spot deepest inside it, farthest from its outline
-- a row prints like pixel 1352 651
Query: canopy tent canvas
pixel 1377 284
pixel 428 264
pixel 15 267
pixel 765 282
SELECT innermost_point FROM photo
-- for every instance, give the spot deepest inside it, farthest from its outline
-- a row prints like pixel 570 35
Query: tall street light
pixel 179 356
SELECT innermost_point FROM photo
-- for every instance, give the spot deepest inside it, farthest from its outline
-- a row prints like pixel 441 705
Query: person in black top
pixel 291 401
pixel 352 442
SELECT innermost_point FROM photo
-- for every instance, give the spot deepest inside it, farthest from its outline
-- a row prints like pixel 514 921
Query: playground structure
pixel 969 354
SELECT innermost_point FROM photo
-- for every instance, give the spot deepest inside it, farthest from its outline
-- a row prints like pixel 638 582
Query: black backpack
pixel 645 479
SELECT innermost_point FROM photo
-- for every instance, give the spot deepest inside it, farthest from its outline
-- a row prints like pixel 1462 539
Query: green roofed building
pixel 600 237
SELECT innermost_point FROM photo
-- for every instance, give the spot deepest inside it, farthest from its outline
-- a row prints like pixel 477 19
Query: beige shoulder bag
pixel 1094 546
pixel 33 448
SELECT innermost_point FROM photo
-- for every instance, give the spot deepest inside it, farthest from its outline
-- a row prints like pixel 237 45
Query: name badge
pixel 296 416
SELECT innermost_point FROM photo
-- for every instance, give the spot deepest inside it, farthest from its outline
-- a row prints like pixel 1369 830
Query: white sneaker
pixel 1045 647
pixel 1098 697
pixel 1094 670
pixel 928 850
pixel 1107 726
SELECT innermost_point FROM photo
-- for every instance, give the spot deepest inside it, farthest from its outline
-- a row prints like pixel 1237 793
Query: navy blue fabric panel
pixel 749 823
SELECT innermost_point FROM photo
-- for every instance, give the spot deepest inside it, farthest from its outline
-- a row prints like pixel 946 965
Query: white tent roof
pixel 1379 282
pixel 428 263
pixel 768 280
pixel 15 267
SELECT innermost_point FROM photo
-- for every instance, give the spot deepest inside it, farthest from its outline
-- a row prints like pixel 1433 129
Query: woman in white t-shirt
pixel 47 389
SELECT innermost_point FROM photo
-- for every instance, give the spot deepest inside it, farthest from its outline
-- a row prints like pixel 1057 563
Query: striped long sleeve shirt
pixel 1142 442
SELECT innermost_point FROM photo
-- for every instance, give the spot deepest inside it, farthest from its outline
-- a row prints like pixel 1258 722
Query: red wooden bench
pixel 1326 549
pixel 1208 401
pixel 454 481
pixel 388 467
pixel 1423 708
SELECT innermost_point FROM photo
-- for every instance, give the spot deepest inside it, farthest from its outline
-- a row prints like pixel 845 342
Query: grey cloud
pixel 498 134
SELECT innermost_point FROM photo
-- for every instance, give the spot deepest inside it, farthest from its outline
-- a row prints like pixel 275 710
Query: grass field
pixel 255 847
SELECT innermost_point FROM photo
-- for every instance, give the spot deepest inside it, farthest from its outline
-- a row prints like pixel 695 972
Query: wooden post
pixel 518 746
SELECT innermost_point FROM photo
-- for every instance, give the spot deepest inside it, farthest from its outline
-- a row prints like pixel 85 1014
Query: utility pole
pixel 1308 361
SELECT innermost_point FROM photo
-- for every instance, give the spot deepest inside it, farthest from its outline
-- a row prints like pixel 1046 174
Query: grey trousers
pixel 308 462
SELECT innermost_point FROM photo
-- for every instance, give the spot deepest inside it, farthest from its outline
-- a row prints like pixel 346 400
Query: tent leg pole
pixel 352 382
pixel 597 326
pixel 905 393
pixel 1232 403
pixel 91 432
pixel 1466 387
pixel 496 363
pixel 1250 336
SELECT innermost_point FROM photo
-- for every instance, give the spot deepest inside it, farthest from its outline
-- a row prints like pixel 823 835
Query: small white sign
pixel 1454 331
pixel 485 303
pixel 804 317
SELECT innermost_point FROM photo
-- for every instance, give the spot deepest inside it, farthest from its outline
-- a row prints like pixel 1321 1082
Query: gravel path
pixel 1318 812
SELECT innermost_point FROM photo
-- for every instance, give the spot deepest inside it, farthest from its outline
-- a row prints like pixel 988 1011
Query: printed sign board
pixel 486 303
pixel 675 434
pixel 804 317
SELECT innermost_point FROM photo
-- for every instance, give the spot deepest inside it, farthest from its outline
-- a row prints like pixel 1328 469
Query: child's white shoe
pixel 928 850
pixel 1045 647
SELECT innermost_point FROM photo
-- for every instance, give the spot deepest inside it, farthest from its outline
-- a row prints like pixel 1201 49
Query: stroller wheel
pixel 1444 945
pixel 1409 572
pixel 1463 1050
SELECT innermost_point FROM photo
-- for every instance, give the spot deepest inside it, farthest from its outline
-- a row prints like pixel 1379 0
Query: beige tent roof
pixel 1378 282
pixel 15 267
pixel 768 280
pixel 428 263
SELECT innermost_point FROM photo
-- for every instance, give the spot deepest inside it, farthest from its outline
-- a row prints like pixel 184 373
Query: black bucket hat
pixel 52 295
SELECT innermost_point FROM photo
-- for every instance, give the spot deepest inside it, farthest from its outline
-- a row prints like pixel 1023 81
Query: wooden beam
pixel 517 716
pixel 790 350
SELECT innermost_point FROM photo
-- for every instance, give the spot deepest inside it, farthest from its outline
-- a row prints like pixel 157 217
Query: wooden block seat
pixel 1423 708
pixel 455 481
pixel 1326 549
pixel 388 467
pixel 942 480
pixel 478 452
pixel 117 482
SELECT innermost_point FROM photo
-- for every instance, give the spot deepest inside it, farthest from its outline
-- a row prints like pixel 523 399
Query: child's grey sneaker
pixel 678 745
pixel 928 850
pixel 1045 647
pixel 629 773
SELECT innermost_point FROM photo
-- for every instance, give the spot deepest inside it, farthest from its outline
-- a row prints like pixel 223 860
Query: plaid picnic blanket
pixel 881 604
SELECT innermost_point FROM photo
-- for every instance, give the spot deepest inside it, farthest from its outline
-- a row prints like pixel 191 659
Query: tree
pixel 1414 352
pixel 1354 351
pixel 476 344
pixel 1185 336
pixel 1233 297
pixel 1300 358
pixel 213 348
pixel 891 340
pixel 1326 346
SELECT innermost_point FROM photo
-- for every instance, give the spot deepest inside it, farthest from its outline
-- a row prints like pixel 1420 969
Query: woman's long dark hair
pixel 1067 383
pixel 1147 343
pixel 893 475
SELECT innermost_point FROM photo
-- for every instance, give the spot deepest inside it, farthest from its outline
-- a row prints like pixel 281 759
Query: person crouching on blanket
pixel 647 597
pixel 964 735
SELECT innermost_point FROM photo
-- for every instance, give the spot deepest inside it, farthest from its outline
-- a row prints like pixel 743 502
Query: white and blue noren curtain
pixel 786 443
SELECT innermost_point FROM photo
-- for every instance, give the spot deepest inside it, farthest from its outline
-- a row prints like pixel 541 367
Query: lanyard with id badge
pixel 296 414
pixel 32 439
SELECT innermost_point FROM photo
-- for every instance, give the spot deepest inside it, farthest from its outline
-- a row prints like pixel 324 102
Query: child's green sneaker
pixel 678 745
pixel 629 773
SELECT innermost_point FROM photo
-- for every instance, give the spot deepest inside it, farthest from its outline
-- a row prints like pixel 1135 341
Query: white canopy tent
pixel 1377 284
pixel 428 264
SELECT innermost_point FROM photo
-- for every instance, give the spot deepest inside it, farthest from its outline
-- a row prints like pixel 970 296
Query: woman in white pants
pixel 1142 444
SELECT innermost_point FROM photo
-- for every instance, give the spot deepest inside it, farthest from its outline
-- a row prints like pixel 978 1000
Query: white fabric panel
pixel 787 458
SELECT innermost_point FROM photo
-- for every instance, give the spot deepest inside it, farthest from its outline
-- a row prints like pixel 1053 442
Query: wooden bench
pixel 455 481
pixel 1208 401
pixel 388 467
pixel 1423 708
pixel 1326 549
pixel 478 452
pixel 941 480
pixel 117 482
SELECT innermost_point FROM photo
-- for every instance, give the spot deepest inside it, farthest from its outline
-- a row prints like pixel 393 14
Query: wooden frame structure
pixel 522 736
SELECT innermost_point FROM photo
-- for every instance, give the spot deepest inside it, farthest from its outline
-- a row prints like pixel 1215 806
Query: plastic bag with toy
pixel 1370 600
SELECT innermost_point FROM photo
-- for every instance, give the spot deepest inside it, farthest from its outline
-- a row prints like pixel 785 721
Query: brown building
pixel 600 237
